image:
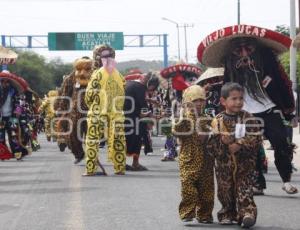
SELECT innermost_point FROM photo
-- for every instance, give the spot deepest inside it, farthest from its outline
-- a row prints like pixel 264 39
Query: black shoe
pixel 77 161
pixel 128 167
pixel 62 147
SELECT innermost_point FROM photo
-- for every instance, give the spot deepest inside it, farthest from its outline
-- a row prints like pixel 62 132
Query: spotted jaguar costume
pixel 235 172
pixel 196 167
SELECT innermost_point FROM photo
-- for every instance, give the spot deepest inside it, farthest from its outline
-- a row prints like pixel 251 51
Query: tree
pixel 285 61
pixel 40 75
pixel 283 29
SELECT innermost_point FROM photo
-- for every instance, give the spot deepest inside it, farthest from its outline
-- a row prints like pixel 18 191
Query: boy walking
pixel 196 167
pixel 235 143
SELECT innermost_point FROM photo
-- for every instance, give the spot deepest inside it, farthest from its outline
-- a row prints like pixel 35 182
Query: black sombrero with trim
pixel 212 49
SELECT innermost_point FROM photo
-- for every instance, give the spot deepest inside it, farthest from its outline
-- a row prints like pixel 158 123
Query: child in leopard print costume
pixel 235 141
pixel 196 167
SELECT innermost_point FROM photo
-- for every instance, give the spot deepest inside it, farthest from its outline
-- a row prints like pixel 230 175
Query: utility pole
pixel 185 38
pixel 299 13
pixel 178 37
pixel 293 54
pixel 239 12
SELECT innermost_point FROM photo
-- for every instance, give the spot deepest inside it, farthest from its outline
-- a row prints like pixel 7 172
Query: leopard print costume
pixel 196 171
pixel 235 172
pixel 62 106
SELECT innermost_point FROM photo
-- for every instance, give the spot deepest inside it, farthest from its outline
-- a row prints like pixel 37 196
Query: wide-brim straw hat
pixel 210 73
pixel 212 50
pixel 7 56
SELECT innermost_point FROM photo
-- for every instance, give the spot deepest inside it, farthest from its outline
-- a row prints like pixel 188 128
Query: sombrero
pixel 210 73
pixel 212 49
pixel 19 83
pixel 132 77
pixel 134 74
pixel 7 56
pixel 180 75
pixel 182 68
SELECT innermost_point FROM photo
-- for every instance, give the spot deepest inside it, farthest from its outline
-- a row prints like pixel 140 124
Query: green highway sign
pixel 85 40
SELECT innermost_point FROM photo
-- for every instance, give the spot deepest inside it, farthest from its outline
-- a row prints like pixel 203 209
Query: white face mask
pixel 109 64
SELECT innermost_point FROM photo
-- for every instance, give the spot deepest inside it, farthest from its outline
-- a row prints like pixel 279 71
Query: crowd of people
pixel 218 119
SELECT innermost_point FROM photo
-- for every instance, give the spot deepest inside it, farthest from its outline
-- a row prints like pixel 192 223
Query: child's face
pixel 234 103
pixel 197 105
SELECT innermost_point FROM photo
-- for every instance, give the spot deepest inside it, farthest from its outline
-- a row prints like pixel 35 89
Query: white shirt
pixel 6 110
pixel 253 106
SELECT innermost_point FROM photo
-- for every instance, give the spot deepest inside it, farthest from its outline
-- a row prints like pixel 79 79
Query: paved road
pixel 46 191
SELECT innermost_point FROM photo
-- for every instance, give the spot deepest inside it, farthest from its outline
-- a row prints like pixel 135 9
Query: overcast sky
pixel 27 17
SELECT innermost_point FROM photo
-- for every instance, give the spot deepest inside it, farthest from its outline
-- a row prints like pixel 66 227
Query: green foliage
pixel 283 29
pixel 285 61
pixel 40 75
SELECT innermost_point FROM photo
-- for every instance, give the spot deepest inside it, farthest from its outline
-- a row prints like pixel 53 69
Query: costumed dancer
pixel 47 109
pixel 136 113
pixel 195 165
pixel 62 106
pixel 249 54
pixel 212 80
pixel 235 144
pixel 181 76
pixel 32 105
pixel 11 86
pixel 74 87
pixel 105 99
pixel 146 126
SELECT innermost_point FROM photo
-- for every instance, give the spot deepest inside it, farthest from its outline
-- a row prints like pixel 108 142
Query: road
pixel 46 191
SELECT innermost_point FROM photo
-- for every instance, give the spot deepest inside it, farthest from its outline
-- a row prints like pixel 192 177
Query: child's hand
pixel 233 148
pixel 226 139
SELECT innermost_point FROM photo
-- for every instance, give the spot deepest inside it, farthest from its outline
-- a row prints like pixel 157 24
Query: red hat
pixel 132 77
pixel 212 49
pixel 179 83
pixel 171 71
pixel 18 82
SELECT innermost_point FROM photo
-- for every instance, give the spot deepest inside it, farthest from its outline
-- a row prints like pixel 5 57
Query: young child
pixel 236 141
pixel 196 167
